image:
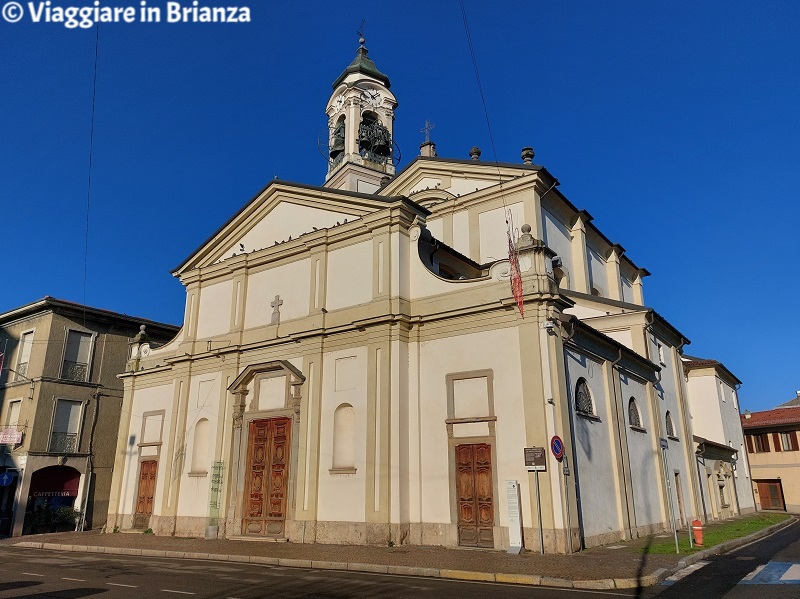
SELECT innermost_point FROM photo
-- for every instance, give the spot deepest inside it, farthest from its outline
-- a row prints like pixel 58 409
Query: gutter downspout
pixel 700 454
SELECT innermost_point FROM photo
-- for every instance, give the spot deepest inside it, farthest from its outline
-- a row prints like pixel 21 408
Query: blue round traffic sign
pixel 6 479
pixel 557 447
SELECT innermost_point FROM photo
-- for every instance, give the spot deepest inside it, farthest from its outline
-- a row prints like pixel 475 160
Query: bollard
pixel 697 531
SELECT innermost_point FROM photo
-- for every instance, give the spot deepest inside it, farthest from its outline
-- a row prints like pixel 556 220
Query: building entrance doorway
pixel 770 493
pixel 266 477
pixel 474 495
pixel 8 493
pixel 144 496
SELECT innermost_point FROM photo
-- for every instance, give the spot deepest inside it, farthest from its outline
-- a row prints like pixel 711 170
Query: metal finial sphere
pixel 361 40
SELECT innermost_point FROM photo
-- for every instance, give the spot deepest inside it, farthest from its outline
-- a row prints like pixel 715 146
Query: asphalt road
pixel 40 574
pixel 767 569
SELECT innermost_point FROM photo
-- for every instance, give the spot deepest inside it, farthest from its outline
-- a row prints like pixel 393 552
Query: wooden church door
pixel 266 479
pixel 474 495
pixel 145 494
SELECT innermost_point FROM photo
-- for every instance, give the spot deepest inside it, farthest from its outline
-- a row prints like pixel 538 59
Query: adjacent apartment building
pixel 60 404
pixel 772 445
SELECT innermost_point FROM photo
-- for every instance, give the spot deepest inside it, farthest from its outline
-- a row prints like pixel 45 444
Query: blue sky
pixel 674 124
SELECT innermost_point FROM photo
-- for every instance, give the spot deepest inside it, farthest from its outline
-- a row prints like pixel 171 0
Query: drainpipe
pixel 700 453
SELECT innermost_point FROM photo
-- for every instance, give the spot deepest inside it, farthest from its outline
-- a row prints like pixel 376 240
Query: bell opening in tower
pixel 374 139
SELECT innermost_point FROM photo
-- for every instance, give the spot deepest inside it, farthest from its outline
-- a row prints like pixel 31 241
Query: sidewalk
pixel 621 565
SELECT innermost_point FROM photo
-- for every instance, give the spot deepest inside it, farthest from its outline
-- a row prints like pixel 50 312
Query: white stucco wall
pixel 667 394
pixel 204 402
pixel 350 271
pixel 292 282
pixel 214 316
pixel 705 407
pixel 559 239
pixel 642 456
pixel 344 381
pixel 285 219
pixel 623 336
pixel 598 275
pixel 147 399
pixel 498 351
pixel 627 290
pixel 493 237
pixel 461 232
pixel 593 446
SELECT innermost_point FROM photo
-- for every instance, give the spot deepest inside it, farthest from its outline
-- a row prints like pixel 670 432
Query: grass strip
pixel 716 533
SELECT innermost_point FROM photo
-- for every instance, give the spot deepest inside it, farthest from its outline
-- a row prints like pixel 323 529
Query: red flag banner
pixel 515 276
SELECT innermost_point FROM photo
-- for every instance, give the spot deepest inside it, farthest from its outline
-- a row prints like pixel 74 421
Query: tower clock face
pixel 371 97
pixel 339 101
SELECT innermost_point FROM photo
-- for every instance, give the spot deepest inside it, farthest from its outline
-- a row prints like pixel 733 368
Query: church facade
pixel 354 368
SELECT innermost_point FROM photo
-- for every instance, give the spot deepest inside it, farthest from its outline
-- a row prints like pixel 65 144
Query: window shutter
pixel 13 413
pixel 67 416
pixel 78 346
pixel 25 350
pixel 749 443
pixel 776 441
pixel 794 441
pixel 765 442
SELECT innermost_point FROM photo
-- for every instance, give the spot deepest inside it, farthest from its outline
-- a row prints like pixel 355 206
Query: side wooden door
pixel 771 495
pixel 145 493
pixel 475 496
pixel 266 479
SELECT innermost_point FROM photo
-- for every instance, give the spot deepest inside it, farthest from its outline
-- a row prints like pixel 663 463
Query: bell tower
pixel 360 123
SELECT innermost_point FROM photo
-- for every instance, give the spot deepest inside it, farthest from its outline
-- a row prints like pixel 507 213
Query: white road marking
pixel 754 573
pixel 793 573
pixel 685 572
pixel 75 579
pixel 32 574
pixel 179 592
pixel 117 584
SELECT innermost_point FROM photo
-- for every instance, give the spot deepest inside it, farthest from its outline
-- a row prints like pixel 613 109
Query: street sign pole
pixel 536 461
pixel 539 509
pixel 565 470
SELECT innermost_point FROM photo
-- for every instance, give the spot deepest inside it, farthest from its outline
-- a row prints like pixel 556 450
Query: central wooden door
pixel 144 496
pixel 266 478
pixel 475 495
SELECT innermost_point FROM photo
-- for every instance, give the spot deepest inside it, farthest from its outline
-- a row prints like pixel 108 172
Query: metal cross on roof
pixel 427 130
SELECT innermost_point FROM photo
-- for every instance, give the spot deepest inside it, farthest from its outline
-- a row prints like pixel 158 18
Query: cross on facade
pixel 427 130
pixel 276 312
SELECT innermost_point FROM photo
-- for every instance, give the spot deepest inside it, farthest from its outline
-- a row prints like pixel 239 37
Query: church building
pixel 354 367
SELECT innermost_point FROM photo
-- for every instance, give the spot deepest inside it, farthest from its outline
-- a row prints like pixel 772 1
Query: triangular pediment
pixel 281 212
pixel 453 176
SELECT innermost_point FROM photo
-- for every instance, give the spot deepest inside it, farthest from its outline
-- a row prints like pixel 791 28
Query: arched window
pixel 669 425
pixel 344 445
pixel 201 446
pixel 633 414
pixel 583 398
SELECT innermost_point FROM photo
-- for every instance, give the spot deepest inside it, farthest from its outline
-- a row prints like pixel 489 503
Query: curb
pixel 465 575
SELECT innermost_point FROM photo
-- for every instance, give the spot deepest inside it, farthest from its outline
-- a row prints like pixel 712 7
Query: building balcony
pixel 64 443
pixel 74 371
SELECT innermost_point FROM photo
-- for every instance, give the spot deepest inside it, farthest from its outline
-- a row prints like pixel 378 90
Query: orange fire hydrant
pixel 697 531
